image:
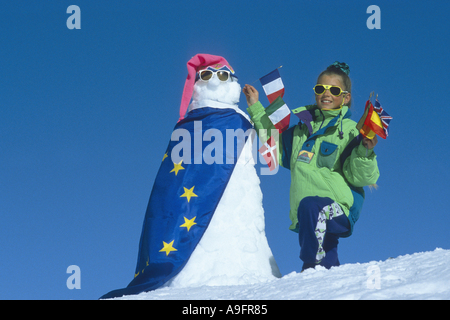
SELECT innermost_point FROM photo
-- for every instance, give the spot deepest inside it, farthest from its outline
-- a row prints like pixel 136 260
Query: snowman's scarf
pixel 168 210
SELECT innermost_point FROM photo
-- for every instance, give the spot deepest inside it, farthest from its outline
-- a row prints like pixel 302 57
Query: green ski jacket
pixel 325 156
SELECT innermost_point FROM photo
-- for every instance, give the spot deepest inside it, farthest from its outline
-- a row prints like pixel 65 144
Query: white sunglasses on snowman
pixel 223 74
pixel 206 75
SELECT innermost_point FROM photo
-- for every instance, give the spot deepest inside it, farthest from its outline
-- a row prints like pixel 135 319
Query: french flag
pixel 279 114
pixel 272 85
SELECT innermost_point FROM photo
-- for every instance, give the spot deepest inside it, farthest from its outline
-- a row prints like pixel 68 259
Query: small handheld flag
pixel 272 85
pixel 385 118
pixel 269 152
pixel 279 114
pixel 374 121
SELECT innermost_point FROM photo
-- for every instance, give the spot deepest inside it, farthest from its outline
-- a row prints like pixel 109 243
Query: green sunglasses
pixel 334 90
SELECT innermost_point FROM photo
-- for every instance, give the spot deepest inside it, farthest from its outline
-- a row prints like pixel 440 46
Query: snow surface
pixel 417 276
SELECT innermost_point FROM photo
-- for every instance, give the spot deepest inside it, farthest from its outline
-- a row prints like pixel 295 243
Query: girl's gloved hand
pixel 370 143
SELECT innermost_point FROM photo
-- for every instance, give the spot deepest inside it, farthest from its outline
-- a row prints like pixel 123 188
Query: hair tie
pixel 342 66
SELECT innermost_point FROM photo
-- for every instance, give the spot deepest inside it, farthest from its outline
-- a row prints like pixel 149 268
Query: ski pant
pixel 321 221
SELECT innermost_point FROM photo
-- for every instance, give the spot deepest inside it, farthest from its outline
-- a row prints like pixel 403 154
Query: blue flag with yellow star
pixel 186 193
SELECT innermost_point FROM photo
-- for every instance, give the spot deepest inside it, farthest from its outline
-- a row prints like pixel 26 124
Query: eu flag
pixel 185 195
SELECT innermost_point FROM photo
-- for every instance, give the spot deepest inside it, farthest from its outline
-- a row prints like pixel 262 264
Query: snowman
pixel 234 249
pixel 204 223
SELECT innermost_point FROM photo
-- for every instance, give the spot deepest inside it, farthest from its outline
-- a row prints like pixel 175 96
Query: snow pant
pixel 321 221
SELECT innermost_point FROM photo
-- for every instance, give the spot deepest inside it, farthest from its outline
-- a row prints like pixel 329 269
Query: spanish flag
pixel 375 121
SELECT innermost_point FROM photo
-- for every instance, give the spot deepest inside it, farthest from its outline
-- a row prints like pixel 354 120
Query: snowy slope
pixel 417 276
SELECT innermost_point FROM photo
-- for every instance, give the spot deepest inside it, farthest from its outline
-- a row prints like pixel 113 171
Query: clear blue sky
pixel 86 115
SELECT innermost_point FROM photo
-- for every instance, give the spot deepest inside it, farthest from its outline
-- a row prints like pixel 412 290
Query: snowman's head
pixel 219 85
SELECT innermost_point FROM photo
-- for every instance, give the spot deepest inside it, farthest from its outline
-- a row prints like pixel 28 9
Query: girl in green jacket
pixel 330 162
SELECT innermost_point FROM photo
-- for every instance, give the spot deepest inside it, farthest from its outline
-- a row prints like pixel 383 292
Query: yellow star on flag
pixel 188 223
pixel 165 156
pixel 177 167
pixel 168 247
pixel 188 193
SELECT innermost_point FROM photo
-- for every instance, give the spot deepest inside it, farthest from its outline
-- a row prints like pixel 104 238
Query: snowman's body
pixel 234 248
pixel 228 245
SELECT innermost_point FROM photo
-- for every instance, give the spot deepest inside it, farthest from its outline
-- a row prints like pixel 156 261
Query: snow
pixel 227 92
pixel 414 277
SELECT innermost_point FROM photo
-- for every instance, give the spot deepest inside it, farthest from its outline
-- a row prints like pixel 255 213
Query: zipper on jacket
pixel 323 119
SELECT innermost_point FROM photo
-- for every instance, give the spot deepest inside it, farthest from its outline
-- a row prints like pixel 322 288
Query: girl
pixel 330 162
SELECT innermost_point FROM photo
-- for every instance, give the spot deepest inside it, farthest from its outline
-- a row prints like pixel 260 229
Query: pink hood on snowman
pixel 199 62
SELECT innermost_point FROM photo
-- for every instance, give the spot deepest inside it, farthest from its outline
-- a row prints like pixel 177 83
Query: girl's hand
pixel 370 143
pixel 251 94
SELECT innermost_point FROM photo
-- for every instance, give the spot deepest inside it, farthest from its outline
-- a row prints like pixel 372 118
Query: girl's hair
pixel 340 69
